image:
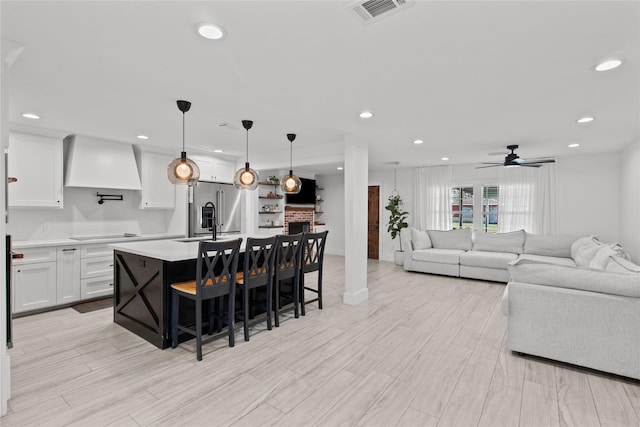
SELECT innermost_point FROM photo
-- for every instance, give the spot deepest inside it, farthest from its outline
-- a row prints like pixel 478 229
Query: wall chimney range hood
pixel 98 163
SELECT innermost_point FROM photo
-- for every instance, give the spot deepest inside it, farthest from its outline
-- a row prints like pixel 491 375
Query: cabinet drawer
pixel 96 267
pixel 96 287
pixel 91 251
pixel 32 255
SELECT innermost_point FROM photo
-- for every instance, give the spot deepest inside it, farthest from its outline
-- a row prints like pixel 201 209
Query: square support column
pixel 356 179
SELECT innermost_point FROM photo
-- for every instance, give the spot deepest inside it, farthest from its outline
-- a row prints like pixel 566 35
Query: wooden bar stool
pixel 259 256
pixel 312 259
pixel 287 267
pixel 216 269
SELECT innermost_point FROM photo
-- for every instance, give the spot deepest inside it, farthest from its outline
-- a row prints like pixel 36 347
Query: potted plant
pixel 397 221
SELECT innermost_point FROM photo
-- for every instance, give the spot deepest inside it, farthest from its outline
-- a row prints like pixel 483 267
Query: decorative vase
pixel 398 257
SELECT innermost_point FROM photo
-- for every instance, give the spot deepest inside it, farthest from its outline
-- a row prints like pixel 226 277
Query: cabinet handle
pixel 66 250
pixel 111 284
pixel 110 265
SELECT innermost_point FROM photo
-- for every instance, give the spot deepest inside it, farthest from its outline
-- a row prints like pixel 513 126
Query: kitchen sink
pixel 111 236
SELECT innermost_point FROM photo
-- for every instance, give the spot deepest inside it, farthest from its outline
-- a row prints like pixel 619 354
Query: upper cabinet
pixel 157 191
pixel 36 162
pixel 215 170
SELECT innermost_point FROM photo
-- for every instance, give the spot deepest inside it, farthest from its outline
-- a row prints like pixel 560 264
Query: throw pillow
pixel 454 239
pixel 601 258
pixel 502 242
pixel 584 249
pixel 420 239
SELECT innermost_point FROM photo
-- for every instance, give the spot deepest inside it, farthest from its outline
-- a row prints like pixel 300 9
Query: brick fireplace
pixel 298 214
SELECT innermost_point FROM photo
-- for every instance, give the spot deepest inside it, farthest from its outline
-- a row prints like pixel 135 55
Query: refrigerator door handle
pixel 222 208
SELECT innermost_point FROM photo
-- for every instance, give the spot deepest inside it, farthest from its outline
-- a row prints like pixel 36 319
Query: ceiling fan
pixel 513 160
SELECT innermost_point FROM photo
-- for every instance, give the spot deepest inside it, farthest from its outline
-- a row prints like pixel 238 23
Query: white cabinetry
pixel 34 279
pixel 96 271
pixel 157 191
pixel 36 162
pixel 215 170
pixel 68 275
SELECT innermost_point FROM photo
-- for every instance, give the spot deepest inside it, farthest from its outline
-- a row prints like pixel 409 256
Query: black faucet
pixel 214 219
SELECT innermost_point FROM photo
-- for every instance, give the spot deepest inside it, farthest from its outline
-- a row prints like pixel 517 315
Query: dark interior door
pixel 373 235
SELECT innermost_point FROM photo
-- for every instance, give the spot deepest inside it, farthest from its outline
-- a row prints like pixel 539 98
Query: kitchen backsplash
pixel 82 215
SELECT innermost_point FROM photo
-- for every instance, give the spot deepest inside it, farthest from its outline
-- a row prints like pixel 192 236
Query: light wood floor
pixel 423 351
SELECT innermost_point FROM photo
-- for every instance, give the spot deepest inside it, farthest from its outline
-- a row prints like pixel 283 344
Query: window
pixel 490 209
pixel 462 207
pixel 481 199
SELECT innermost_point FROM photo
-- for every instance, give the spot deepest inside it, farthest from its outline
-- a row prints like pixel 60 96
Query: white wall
pixel 589 196
pixel 630 200
pixel 333 207
pixel 82 215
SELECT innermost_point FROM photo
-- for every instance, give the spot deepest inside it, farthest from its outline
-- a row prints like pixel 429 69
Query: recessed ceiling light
pixel 418 141
pixel 607 65
pixel 217 151
pixel 585 119
pixel 210 31
pixel 444 158
pixel 30 116
pixel 142 137
pixel 366 115
pixel 573 145
pixel 340 168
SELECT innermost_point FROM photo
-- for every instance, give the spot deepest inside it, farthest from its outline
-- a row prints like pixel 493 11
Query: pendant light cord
pixel 247 145
pixel 395 191
pixel 290 157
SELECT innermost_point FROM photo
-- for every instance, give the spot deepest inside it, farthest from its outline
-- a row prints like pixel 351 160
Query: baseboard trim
pixel 357 298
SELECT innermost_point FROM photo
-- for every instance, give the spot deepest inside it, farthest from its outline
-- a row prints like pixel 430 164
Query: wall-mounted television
pixel 306 196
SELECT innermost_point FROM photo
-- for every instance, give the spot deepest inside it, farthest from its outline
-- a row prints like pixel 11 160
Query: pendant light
pixel 291 184
pixel 183 170
pixel 246 178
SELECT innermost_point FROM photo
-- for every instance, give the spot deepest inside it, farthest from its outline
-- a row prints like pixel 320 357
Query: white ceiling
pixel 466 77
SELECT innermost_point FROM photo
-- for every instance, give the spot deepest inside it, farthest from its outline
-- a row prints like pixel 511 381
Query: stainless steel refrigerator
pixel 209 200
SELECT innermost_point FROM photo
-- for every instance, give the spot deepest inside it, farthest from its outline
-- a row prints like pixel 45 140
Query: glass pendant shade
pixel 246 178
pixel 183 170
pixel 290 184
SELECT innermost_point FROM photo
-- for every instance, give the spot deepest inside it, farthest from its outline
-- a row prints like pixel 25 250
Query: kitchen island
pixel 143 273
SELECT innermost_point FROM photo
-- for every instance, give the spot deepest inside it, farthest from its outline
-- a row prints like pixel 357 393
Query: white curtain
pixel 432 198
pixel 527 200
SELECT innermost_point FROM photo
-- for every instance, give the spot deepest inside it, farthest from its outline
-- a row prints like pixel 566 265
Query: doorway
pixel 373 222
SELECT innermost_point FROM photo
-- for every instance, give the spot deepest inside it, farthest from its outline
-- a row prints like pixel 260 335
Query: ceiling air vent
pixel 374 10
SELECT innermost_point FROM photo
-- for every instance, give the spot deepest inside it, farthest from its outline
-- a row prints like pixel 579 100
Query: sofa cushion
pixel 585 279
pixel 487 259
pixel 454 239
pixel 442 256
pixel 420 239
pixel 584 249
pixel 548 259
pixel 502 242
pixel 557 246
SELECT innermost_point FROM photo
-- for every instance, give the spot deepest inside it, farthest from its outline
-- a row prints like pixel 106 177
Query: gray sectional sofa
pixel 572 300
pixel 461 253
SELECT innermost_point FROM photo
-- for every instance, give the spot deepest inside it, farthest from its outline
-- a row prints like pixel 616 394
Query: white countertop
pixel 24 244
pixel 170 250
